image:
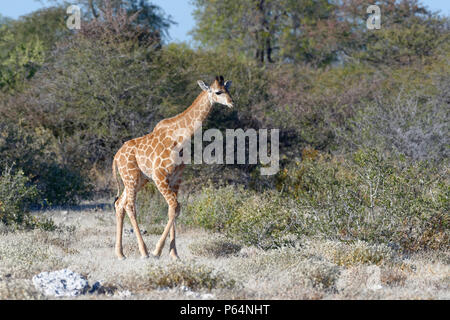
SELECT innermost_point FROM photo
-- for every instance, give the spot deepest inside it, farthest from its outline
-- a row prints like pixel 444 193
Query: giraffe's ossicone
pixel 152 157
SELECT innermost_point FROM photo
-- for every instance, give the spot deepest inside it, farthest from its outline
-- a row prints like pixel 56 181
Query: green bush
pixel 31 150
pixel 215 209
pixel 62 185
pixel 16 195
pixel 264 220
pixel 371 198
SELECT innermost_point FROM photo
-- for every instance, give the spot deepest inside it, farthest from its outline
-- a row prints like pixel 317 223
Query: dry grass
pixel 213 267
pixel 215 247
pixel 192 276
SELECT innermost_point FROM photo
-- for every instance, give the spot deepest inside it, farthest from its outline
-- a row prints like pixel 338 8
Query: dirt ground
pixel 210 267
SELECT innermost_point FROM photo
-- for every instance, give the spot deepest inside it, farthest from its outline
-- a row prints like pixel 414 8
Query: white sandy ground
pixel 310 271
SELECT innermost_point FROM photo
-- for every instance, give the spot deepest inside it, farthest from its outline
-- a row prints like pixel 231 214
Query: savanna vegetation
pixel 363 118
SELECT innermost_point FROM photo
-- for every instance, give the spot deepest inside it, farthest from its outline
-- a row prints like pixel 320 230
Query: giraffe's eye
pixel 219 92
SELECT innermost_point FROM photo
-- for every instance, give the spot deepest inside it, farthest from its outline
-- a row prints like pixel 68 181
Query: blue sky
pixel 180 10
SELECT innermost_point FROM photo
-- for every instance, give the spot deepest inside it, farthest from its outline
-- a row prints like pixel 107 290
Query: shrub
pixel 356 253
pixel 263 220
pixel 16 194
pixel 376 199
pixel 316 273
pixel 370 198
pixel 214 209
pixel 62 185
pixel 31 150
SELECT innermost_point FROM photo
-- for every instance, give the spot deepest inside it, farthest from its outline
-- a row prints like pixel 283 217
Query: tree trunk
pixel 91 5
pixel 262 38
pixel 269 50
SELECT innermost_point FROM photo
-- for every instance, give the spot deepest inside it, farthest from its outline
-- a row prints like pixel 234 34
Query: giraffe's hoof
pixel 175 257
pixel 156 254
pixel 122 258
pixel 144 257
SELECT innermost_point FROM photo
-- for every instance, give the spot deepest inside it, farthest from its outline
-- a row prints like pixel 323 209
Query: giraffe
pixel 152 157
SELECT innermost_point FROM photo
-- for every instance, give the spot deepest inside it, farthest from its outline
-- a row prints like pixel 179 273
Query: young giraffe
pixel 153 157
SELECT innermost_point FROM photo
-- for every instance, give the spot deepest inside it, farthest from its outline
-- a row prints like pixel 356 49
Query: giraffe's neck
pixel 196 113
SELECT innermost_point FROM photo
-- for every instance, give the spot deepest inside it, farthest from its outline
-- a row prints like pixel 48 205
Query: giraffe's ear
pixel 228 84
pixel 202 85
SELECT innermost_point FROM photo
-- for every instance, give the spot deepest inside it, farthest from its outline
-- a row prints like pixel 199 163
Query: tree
pixel 25 43
pixel 312 32
pixel 284 30
pixel 18 61
pixel 244 25
pixel 148 15
pixel 96 89
pixel 319 31
pixel 409 32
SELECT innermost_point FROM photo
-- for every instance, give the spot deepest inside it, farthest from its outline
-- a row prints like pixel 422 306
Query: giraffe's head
pixel 218 91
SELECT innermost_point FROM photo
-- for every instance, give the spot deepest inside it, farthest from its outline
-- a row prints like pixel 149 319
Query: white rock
pixel 62 283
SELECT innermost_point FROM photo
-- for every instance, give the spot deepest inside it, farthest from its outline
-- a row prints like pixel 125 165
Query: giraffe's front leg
pixel 169 227
pixel 173 249
pixel 163 186
pixel 174 184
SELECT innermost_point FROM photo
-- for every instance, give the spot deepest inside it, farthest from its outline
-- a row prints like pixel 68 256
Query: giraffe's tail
pixel 114 170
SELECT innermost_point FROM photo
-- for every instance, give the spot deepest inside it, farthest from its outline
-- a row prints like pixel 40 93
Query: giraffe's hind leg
pixel 130 208
pixel 120 214
pixel 133 181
